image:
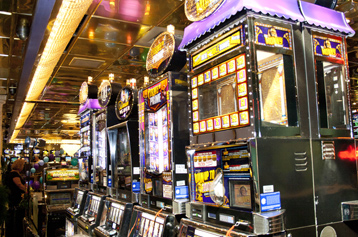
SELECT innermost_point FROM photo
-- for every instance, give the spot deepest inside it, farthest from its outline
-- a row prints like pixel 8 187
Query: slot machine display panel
pixel 73 212
pixel 100 151
pixel 117 219
pixel 147 223
pixel 94 214
pixel 163 116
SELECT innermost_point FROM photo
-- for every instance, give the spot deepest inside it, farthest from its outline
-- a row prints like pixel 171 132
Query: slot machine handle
pixel 237 224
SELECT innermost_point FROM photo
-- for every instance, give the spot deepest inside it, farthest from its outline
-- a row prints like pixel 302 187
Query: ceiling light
pixel 68 18
pixel 171 29
pixel 90 79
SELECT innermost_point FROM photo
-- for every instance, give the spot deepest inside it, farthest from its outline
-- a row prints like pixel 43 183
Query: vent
pixel 300 161
pixel 328 150
pixel 86 62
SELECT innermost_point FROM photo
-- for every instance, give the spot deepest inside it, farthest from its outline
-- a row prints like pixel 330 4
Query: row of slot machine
pixel 256 139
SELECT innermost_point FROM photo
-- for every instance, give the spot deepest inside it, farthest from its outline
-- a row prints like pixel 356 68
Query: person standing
pixel 17 187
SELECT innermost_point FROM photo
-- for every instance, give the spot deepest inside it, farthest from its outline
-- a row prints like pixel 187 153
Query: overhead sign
pixel 83 92
pixel 327 47
pixel 156 95
pixel 272 36
pixel 160 54
pixel 104 93
pixel 62 175
pixel 124 103
pixel 196 10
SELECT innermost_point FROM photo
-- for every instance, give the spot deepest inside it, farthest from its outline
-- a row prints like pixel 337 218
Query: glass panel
pixel 157 159
pixel 218 97
pixel 332 95
pixel 124 158
pixel 272 89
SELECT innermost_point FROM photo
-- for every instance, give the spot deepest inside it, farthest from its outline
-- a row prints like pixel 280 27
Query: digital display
pixel 68 158
pixel 272 36
pixel 79 199
pixel 149 225
pixel 57 159
pixel 220 97
pixel 124 159
pixel 13 159
pixel 62 174
pixel 327 47
pixel 157 158
pixel 94 206
pixel 115 215
pixel 59 198
pixel 240 195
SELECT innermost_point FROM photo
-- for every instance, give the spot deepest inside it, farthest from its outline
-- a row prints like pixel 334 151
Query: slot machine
pixel 163 129
pixel 117 220
pixel 271 135
pixel 107 95
pixel 94 214
pixel 59 187
pixel 151 223
pixel 124 149
pixel 89 105
pixel 73 212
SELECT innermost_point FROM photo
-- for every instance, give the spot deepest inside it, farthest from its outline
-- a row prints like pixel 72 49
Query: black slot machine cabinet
pixel 73 212
pixel 163 129
pixel 107 95
pixel 271 131
pixel 151 223
pixel 89 105
pixel 94 214
pixel 117 221
pixel 124 149
pixel 59 186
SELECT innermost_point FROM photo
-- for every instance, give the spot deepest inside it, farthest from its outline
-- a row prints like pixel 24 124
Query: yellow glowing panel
pixel 195 104
pixel 240 61
pixel 242 89
pixel 244 118
pixel 195 116
pixel 215 73
pixel 223 70
pixel 234 119
pixel 241 76
pixel 226 121
pixel 210 125
pixel 231 66
pixel 196 127
pixel 243 103
pixel 194 82
pixel 194 93
pixel 25 112
pixel 200 79
pixel 217 123
pixel 207 77
pixel 202 126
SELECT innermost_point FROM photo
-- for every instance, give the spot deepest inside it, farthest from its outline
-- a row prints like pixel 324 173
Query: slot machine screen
pixel 59 198
pixel 115 215
pixel 241 194
pixel 68 158
pixel 157 158
pixel 104 213
pixel 13 159
pixel 57 159
pixel 149 225
pixel 79 199
pixel 124 159
pixel 94 205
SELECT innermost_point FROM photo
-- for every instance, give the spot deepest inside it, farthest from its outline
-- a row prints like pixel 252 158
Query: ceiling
pixel 113 37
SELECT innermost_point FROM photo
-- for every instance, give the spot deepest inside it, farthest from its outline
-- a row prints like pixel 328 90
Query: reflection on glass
pixel 272 88
pixel 218 97
pixel 331 95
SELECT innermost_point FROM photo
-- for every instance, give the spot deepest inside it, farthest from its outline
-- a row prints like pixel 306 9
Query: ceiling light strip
pixel 68 18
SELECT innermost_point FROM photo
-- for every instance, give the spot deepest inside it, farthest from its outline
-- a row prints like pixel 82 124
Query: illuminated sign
pixel 224 45
pixel 83 92
pixel 62 175
pixel 232 119
pixel 104 93
pixel 196 10
pixel 160 54
pixel 124 103
pixel 272 36
pixel 327 47
pixel 156 95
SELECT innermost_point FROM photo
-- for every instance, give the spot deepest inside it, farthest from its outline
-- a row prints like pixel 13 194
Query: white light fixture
pixel 90 79
pixel 146 81
pixel 68 18
pixel 171 29
pixel 111 77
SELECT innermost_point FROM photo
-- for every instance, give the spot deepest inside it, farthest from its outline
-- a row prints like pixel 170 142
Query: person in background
pixel 17 187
